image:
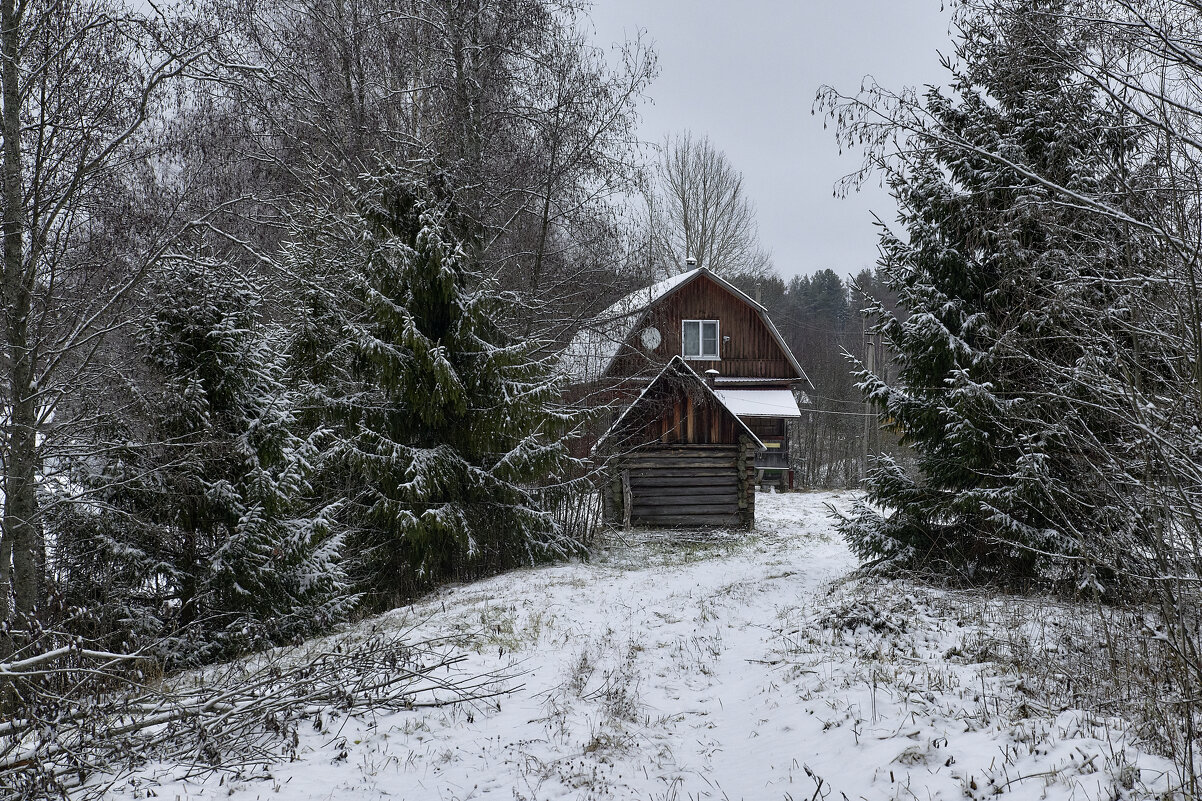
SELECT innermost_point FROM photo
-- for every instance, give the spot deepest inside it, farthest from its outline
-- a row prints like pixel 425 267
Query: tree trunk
pixel 20 529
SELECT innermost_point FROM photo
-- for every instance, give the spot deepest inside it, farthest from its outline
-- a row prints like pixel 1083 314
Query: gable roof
pixel 679 368
pixel 596 345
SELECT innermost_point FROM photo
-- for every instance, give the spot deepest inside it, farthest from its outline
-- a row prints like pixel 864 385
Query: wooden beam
pixel 685 479
pixel 669 472
pixel 690 450
pixel 699 499
pixel 637 464
pixel 689 416
pixel 651 513
pixel 719 520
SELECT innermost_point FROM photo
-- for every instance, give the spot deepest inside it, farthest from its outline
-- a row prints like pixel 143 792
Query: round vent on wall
pixel 651 338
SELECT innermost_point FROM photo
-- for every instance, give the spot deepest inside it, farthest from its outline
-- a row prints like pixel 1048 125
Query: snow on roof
pixel 759 402
pixel 680 367
pixel 726 380
pixel 596 344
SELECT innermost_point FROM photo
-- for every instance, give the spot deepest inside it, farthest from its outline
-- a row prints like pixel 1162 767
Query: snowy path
pixel 742 668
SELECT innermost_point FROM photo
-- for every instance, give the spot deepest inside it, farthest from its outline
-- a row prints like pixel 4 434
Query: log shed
pixel 678 456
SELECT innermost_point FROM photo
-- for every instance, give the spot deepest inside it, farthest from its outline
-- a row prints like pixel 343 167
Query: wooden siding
pixel 766 427
pixel 752 350
pixel 704 486
pixel 691 420
pixel 676 409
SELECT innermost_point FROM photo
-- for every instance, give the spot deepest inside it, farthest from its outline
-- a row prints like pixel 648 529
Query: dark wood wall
pixel 689 420
pixel 685 485
pixel 752 350
pixel 766 427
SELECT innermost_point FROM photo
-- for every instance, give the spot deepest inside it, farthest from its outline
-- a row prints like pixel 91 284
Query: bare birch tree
pixel 697 208
pixel 534 126
pixel 78 179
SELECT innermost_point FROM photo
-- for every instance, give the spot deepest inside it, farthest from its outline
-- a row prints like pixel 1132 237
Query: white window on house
pixel 700 338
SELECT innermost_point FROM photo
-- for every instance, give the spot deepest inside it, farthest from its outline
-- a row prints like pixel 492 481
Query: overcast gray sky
pixel 745 73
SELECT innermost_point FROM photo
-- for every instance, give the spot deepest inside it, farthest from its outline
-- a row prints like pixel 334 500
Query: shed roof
pixel 760 402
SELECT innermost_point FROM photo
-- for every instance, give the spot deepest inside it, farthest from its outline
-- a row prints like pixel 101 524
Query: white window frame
pixel 703 356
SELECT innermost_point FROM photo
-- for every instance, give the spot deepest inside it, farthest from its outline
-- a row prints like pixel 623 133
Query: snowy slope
pixel 721 667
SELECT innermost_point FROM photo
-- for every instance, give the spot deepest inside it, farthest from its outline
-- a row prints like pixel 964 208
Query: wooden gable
pixel 677 408
pixel 748 345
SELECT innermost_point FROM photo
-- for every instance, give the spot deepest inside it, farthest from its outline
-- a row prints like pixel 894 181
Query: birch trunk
pixel 18 570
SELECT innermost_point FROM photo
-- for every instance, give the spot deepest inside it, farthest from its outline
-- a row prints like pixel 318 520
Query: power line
pixel 849 414
pixel 836 400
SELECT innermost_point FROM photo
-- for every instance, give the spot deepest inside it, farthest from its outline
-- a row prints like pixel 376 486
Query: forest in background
pixel 822 319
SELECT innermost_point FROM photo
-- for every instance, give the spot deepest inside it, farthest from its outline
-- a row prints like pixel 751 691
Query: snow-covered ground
pixel 727 666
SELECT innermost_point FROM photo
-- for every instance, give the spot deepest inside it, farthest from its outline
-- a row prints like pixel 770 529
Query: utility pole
pixel 870 365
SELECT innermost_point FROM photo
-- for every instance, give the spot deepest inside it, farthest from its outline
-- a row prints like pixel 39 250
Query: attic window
pixel 700 338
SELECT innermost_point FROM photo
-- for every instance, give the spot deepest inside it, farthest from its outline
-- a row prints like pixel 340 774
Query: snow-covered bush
pixel 202 533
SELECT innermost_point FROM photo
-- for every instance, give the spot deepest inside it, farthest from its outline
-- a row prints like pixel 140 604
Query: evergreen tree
pixel 444 428
pixel 204 532
pixel 999 263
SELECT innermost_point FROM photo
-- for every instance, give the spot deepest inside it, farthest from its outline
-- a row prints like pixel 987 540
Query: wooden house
pixel 690 363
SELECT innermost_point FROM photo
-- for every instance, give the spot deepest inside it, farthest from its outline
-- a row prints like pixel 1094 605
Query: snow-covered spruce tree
pixel 205 533
pixel 444 428
pixel 1001 259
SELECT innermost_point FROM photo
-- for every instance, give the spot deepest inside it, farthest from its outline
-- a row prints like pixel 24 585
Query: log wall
pixel 696 486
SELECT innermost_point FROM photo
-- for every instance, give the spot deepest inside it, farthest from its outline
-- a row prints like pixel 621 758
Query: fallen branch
pixel 218 719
